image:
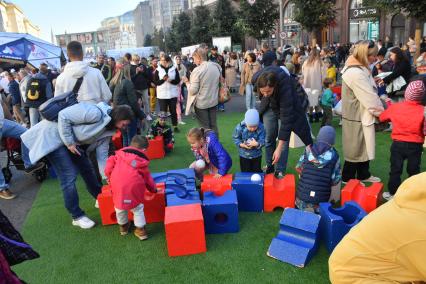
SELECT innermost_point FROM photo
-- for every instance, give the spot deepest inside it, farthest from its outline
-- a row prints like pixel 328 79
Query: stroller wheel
pixel 7 174
pixel 41 175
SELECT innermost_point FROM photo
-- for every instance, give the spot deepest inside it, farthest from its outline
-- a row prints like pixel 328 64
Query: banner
pixel 189 50
pixel 222 43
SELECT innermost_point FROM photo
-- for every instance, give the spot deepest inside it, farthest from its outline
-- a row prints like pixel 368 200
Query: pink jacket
pixel 129 177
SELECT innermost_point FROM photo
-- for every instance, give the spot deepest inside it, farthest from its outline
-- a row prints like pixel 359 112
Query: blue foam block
pixel 297 240
pixel 221 213
pixel 159 177
pixel 336 222
pixel 250 194
pixel 188 173
pixel 191 198
pixel 185 177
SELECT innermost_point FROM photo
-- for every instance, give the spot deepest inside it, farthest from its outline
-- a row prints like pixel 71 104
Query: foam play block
pixel 156 148
pixel 249 193
pixel 297 240
pixel 154 206
pixel 192 197
pixel 159 177
pixel 279 193
pixel 336 222
pixel 185 178
pixel 107 210
pixel 221 213
pixel 367 197
pixel 184 226
pixel 117 140
pixel 218 186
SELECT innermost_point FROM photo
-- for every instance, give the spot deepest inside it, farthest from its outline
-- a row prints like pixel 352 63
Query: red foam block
pixel 184 227
pixel 106 208
pixel 117 140
pixel 154 206
pixel 279 193
pixel 218 186
pixel 367 197
pixel 156 148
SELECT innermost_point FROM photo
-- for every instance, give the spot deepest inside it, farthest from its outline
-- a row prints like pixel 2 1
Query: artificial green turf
pixel 101 255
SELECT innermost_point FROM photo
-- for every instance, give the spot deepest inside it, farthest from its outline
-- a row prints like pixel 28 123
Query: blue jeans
pixel 67 166
pixel 12 129
pixel 271 123
pixel 250 98
pixel 130 131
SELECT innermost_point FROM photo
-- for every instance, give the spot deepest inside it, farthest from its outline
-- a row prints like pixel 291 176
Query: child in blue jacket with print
pixel 249 137
pixel 209 153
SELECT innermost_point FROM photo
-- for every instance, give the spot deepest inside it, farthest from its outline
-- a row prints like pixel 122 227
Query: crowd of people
pixel 286 91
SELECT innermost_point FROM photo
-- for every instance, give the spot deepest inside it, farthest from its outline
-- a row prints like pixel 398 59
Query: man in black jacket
pixel 141 77
pixel 103 67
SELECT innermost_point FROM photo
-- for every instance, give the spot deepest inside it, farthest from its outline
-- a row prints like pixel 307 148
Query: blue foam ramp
pixel 249 193
pixel 192 197
pixel 297 240
pixel 159 177
pixel 220 213
pixel 337 222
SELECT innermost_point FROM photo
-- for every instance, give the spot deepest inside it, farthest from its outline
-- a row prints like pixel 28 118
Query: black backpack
pixel 36 90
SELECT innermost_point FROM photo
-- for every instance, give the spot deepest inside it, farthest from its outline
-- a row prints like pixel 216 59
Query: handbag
pixel 51 108
pixel 224 93
pixel 12 245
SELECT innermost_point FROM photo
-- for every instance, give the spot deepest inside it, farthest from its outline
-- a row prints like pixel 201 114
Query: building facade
pixel 13 19
pixel 119 32
pixel 93 42
pixel 142 16
pixel 163 12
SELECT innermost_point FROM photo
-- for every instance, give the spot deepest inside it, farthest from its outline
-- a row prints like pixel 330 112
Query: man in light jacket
pixel 94 88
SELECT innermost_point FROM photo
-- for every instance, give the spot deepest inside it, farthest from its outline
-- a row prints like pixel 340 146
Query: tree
pixel 412 8
pixel 223 21
pixel 182 36
pixel 258 20
pixel 147 40
pixel 158 39
pixel 314 15
pixel 200 26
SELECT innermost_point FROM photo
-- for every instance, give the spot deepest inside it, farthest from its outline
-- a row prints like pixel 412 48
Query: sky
pixel 72 16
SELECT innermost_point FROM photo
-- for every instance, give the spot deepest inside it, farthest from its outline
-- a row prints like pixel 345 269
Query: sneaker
pixel 372 179
pixel 387 196
pixel 149 118
pixel 83 222
pixel 34 168
pixel 269 169
pixel 7 194
pixel 124 229
pixel 96 204
pixel 279 174
pixel 182 123
pixel 141 234
pixel 176 130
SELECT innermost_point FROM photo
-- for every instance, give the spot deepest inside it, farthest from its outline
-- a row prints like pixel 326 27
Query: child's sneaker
pixel 279 174
pixel 141 234
pixel 372 179
pixel 124 229
pixel 387 196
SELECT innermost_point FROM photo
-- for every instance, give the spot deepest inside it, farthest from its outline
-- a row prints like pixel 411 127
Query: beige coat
pixel 248 70
pixel 231 66
pixel 360 107
pixel 313 75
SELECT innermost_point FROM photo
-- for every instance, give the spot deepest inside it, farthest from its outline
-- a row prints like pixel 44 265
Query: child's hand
pixel 244 146
pixel 253 143
pixel 217 176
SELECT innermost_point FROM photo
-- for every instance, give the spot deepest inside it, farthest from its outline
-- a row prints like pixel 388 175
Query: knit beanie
pixel 327 134
pixel 415 91
pixel 251 117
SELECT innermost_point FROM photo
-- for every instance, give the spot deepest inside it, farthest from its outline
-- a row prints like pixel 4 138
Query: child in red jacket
pixel 129 177
pixel 407 134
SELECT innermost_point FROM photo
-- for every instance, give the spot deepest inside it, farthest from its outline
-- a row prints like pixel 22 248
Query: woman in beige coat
pixel 231 66
pixel 360 107
pixel 314 72
pixel 250 68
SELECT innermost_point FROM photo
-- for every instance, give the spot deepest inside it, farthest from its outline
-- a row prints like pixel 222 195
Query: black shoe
pixel 34 168
pixel 279 174
pixel 176 130
pixel 269 169
pixel 311 119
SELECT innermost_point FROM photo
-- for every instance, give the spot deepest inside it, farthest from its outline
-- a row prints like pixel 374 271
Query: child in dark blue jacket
pixel 249 137
pixel 209 153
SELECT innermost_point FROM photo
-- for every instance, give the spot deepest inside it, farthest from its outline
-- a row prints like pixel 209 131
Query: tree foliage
pixel 258 20
pixel 200 26
pixel 223 21
pixel 314 15
pixel 147 40
pixel 158 39
pixel 182 36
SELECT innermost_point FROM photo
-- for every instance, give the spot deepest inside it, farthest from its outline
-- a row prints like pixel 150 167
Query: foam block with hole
pixel 249 193
pixel 184 227
pixel 279 193
pixel 156 148
pixel 298 238
pixel 106 208
pixel 367 197
pixel 336 222
pixel 192 197
pixel 219 186
pixel 221 213
pixel 154 206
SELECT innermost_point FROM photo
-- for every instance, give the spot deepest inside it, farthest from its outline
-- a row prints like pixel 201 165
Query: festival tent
pixel 22 49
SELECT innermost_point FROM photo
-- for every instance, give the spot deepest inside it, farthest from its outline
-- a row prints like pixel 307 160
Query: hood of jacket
pixel 412 194
pixel 76 69
pixel 320 160
pixel 131 159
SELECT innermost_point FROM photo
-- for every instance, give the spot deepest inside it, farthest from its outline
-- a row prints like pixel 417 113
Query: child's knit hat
pixel 251 117
pixel 415 91
pixel 327 134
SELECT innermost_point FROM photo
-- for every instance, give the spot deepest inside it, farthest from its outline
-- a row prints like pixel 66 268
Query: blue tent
pixel 25 48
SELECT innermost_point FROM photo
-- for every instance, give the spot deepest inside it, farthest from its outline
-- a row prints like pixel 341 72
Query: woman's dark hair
pixel 266 79
pixel 252 56
pixel 120 113
pixel 400 56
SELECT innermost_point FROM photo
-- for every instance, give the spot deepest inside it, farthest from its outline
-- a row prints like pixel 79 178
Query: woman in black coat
pixel 401 67
pixel 280 101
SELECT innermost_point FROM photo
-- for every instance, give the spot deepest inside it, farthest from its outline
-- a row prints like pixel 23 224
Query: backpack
pixel 51 108
pixel 36 89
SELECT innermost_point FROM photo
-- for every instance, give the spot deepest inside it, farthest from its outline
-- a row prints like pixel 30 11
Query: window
pixel 356 4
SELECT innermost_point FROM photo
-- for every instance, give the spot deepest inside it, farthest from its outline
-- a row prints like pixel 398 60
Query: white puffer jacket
pixel 167 90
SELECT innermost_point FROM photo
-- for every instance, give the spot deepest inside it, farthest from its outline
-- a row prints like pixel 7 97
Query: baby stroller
pixel 13 149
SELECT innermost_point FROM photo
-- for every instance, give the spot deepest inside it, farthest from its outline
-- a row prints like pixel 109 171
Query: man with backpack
pixel 39 90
